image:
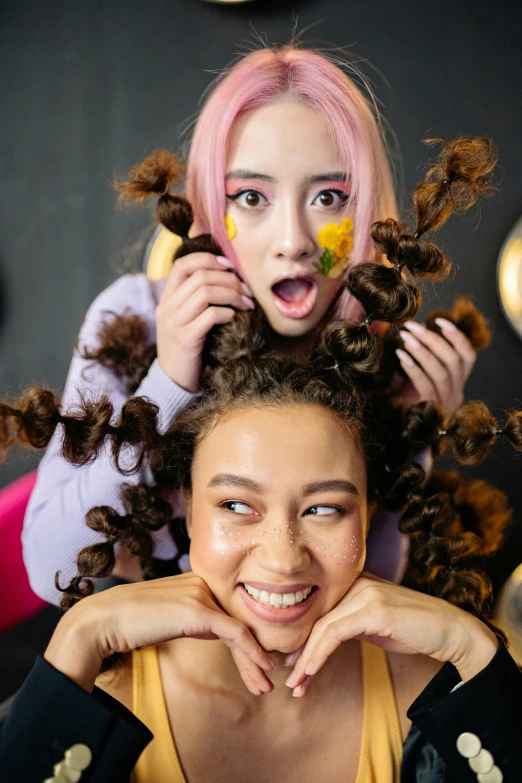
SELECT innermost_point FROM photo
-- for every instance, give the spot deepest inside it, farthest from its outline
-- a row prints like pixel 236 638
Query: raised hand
pixel 200 292
pixel 147 613
pixel 399 620
pixel 441 367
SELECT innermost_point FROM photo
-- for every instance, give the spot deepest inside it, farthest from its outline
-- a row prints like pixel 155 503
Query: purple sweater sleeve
pixel 54 528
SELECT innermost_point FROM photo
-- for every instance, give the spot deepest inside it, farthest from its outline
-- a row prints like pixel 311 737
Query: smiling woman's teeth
pixel 278 600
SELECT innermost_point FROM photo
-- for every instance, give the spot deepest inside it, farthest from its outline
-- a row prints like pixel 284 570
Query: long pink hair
pixel 266 75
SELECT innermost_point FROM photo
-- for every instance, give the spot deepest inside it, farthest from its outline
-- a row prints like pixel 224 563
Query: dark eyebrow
pixel 338 485
pixel 332 176
pixel 231 480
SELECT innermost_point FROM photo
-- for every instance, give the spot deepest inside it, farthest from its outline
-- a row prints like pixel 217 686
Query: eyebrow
pixel 331 176
pixel 232 480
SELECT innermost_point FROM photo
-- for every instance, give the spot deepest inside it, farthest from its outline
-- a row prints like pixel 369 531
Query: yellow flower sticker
pixel 337 241
pixel 230 226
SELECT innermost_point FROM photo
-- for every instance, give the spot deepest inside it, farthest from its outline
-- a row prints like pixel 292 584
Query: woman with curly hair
pixel 280 466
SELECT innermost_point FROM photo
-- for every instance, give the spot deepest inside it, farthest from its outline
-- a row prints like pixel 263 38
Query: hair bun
pixel 467 318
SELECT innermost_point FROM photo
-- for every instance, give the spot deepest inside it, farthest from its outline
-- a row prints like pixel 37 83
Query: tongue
pixel 292 290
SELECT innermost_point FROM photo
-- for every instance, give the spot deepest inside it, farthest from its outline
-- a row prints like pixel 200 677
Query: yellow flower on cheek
pixel 230 226
pixel 337 241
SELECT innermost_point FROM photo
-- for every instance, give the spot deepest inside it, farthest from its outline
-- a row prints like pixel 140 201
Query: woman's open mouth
pixel 295 297
pixel 278 607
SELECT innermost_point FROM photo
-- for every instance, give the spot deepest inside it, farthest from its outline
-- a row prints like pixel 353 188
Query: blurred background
pixel 88 89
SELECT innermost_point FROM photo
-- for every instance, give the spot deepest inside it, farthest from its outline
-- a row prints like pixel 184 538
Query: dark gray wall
pixel 86 89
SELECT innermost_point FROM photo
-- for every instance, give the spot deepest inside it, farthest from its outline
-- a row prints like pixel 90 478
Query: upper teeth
pixel 278 599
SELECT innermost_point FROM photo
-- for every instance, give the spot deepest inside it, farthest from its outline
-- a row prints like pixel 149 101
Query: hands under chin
pixel 399 620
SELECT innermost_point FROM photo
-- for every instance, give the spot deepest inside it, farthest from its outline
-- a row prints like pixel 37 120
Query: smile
pixel 269 606
pixel 295 297
pixel 277 599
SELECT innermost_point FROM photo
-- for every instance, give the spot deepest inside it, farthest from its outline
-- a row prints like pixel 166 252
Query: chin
pixel 281 640
pixel 293 327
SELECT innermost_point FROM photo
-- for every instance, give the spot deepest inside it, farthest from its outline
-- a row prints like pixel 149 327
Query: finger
pixel 237 636
pixel 457 365
pixel 432 366
pixel 460 343
pixel 206 297
pixel 250 672
pixel 187 265
pixel 206 277
pixel 421 382
pixel 303 688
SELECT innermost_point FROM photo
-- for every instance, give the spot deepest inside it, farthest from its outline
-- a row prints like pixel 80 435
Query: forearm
pixel 75 648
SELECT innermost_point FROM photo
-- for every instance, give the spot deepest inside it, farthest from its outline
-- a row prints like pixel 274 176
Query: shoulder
pixel 117 682
pixel 132 294
pixel 410 675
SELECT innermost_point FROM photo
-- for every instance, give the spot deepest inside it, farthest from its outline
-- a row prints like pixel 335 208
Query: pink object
pixel 17 600
pixel 322 82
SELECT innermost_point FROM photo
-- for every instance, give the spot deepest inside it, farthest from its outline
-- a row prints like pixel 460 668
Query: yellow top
pixel 381 742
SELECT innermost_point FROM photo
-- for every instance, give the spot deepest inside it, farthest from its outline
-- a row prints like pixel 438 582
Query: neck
pixel 211 665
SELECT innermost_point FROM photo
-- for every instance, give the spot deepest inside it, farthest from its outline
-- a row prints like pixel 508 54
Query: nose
pixel 282 551
pixel 293 238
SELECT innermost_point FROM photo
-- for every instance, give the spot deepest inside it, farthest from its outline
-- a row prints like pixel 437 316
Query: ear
pixel 187 497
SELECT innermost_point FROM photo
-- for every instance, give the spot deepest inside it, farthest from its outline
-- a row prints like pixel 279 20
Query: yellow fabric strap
pixel 159 761
pixel 381 740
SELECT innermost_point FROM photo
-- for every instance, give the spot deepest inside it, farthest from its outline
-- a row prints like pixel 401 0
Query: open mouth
pixel 295 297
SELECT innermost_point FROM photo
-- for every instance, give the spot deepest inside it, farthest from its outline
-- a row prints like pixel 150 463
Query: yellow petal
pixel 327 235
pixel 346 225
pixel 337 270
pixel 230 226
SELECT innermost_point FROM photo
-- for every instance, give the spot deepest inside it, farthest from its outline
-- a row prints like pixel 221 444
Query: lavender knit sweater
pixel 54 529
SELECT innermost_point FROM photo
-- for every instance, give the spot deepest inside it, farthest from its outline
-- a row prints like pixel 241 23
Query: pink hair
pixel 270 74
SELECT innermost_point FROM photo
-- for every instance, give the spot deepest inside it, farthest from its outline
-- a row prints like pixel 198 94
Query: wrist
pixel 189 382
pixel 478 651
pixel 74 650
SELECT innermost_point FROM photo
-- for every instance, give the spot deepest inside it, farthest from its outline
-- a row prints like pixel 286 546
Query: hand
pixel 200 293
pixel 399 620
pixel 441 367
pixel 148 613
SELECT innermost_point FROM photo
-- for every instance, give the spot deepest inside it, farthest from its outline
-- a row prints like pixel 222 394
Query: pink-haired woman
pixel 286 145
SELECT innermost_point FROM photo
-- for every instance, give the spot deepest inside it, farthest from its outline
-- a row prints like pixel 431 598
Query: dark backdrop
pixel 86 89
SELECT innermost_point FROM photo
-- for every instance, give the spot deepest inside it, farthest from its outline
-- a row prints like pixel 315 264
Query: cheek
pixel 216 547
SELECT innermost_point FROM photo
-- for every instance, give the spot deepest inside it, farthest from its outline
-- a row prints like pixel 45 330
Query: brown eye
pixel 252 199
pixel 326 199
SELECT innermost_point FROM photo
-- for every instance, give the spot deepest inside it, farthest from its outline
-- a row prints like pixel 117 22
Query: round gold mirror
pixel 510 277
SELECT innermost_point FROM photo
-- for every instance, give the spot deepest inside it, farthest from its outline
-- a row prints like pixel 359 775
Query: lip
pixel 294 309
pixel 273 615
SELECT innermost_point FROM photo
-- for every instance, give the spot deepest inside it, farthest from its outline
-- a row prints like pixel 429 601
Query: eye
pixel 248 199
pixel 332 198
pixel 236 507
pixel 326 511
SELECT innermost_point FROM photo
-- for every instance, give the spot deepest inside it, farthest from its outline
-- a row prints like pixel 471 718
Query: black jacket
pixel 51 713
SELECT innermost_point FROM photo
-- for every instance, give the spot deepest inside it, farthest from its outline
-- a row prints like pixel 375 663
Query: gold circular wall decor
pixel 510 277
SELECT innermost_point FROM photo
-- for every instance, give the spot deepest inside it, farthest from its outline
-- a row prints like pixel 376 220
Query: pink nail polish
pixel 249 302
pixel 446 324
pixel 224 261
pixel 415 327
pixel 405 358
pixel 410 340
pixel 246 289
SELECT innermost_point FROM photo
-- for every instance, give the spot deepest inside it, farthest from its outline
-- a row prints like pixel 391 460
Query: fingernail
pixel 446 324
pixel 291 659
pixel 301 689
pixel 246 289
pixel 271 664
pixel 310 669
pixel 224 261
pixel 249 302
pixel 415 327
pixel 291 680
pixel 405 358
pixel 410 340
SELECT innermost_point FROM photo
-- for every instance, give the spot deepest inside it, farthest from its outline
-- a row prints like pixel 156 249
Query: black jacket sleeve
pixel 51 713
pixel 489 706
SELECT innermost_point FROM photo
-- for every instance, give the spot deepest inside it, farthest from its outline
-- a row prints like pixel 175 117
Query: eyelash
pixel 235 196
pixel 339 509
